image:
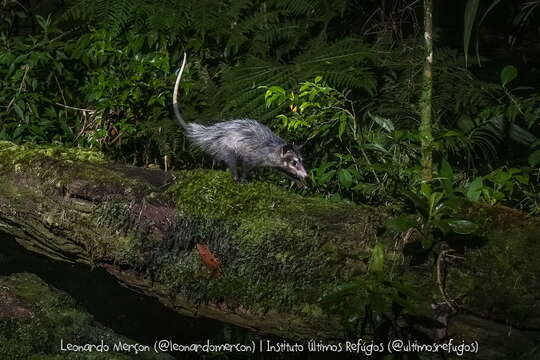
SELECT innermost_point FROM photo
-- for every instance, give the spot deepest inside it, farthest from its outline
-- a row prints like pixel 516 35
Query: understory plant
pixel 36 78
pixel 356 157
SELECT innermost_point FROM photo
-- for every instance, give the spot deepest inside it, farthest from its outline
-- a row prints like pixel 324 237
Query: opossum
pixel 242 142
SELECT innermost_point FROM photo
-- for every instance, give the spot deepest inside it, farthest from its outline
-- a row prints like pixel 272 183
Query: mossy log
pixel 278 252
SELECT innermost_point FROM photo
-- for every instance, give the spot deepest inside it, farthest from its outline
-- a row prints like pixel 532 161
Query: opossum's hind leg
pixel 230 161
pixel 246 169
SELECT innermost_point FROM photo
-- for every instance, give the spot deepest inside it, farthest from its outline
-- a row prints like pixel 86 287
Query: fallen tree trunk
pixel 278 252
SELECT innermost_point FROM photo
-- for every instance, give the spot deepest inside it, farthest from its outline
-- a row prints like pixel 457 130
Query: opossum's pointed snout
pixel 302 173
pixel 299 172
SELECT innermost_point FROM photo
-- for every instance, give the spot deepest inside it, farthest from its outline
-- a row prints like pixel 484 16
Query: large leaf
pixel 345 178
pixel 475 189
pixel 385 123
pixel 508 74
pixel 464 227
pixel 376 147
pixel 446 170
pixel 447 174
pixel 326 177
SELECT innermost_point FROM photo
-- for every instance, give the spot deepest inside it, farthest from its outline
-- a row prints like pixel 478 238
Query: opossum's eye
pixel 294 163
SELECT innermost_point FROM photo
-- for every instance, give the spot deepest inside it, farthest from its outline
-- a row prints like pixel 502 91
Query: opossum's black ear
pixel 286 148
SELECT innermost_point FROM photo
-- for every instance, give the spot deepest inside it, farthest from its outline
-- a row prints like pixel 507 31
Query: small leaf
pixel 377 259
pixel 377 147
pixel 448 177
pixel 434 199
pixel 19 111
pixel 474 189
pixel 385 123
pixel 325 166
pixel 534 158
pixel 508 74
pixel 18 131
pixel 446 170
pixel 425 189
pixel 523 179
pixel 464 227
pixel 342 127
pixel 345 178
pixel 326 177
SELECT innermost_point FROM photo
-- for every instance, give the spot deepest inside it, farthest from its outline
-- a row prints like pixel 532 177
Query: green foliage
pixel 437 206
pixel 375 303
pixel 375 294
pixel 510 186
pixel 508 74
pixel 218 29
pixel 36 75
pixel 128 88
pixel 344 64
pixel 352 160
pixel 287 63
pixel 317 111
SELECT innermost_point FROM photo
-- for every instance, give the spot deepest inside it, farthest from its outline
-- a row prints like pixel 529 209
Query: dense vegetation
pixel 342 77
pixel 99 74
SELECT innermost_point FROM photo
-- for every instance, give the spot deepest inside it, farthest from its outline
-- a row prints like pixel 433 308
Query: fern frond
pixel 345 64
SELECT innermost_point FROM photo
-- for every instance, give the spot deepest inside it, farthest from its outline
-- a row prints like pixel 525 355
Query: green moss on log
pixel 505 266
pixel 268 241
pixel 279 252
pixel 23 154
pixel 61 169
pixel 35 318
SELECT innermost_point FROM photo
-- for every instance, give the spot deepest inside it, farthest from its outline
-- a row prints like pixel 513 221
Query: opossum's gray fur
pixel 242 141
pixel 246 140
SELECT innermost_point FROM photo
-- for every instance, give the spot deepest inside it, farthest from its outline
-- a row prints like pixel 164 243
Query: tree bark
pixel 426 136
pixel 278 252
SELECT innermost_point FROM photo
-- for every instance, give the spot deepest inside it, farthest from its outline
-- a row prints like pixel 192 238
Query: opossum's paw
pixel 238 180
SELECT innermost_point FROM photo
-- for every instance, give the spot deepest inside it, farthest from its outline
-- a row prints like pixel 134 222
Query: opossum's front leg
pixel 246 169
pixel 230 160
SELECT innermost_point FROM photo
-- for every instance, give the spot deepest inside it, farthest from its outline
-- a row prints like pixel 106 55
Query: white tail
pixel 175 94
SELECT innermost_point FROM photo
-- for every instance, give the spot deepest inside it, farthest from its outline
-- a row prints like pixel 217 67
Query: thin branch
pixel 440 277
pixel 76 108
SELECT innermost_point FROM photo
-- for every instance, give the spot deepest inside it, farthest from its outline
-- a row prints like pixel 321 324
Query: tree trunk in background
pixel 426 136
